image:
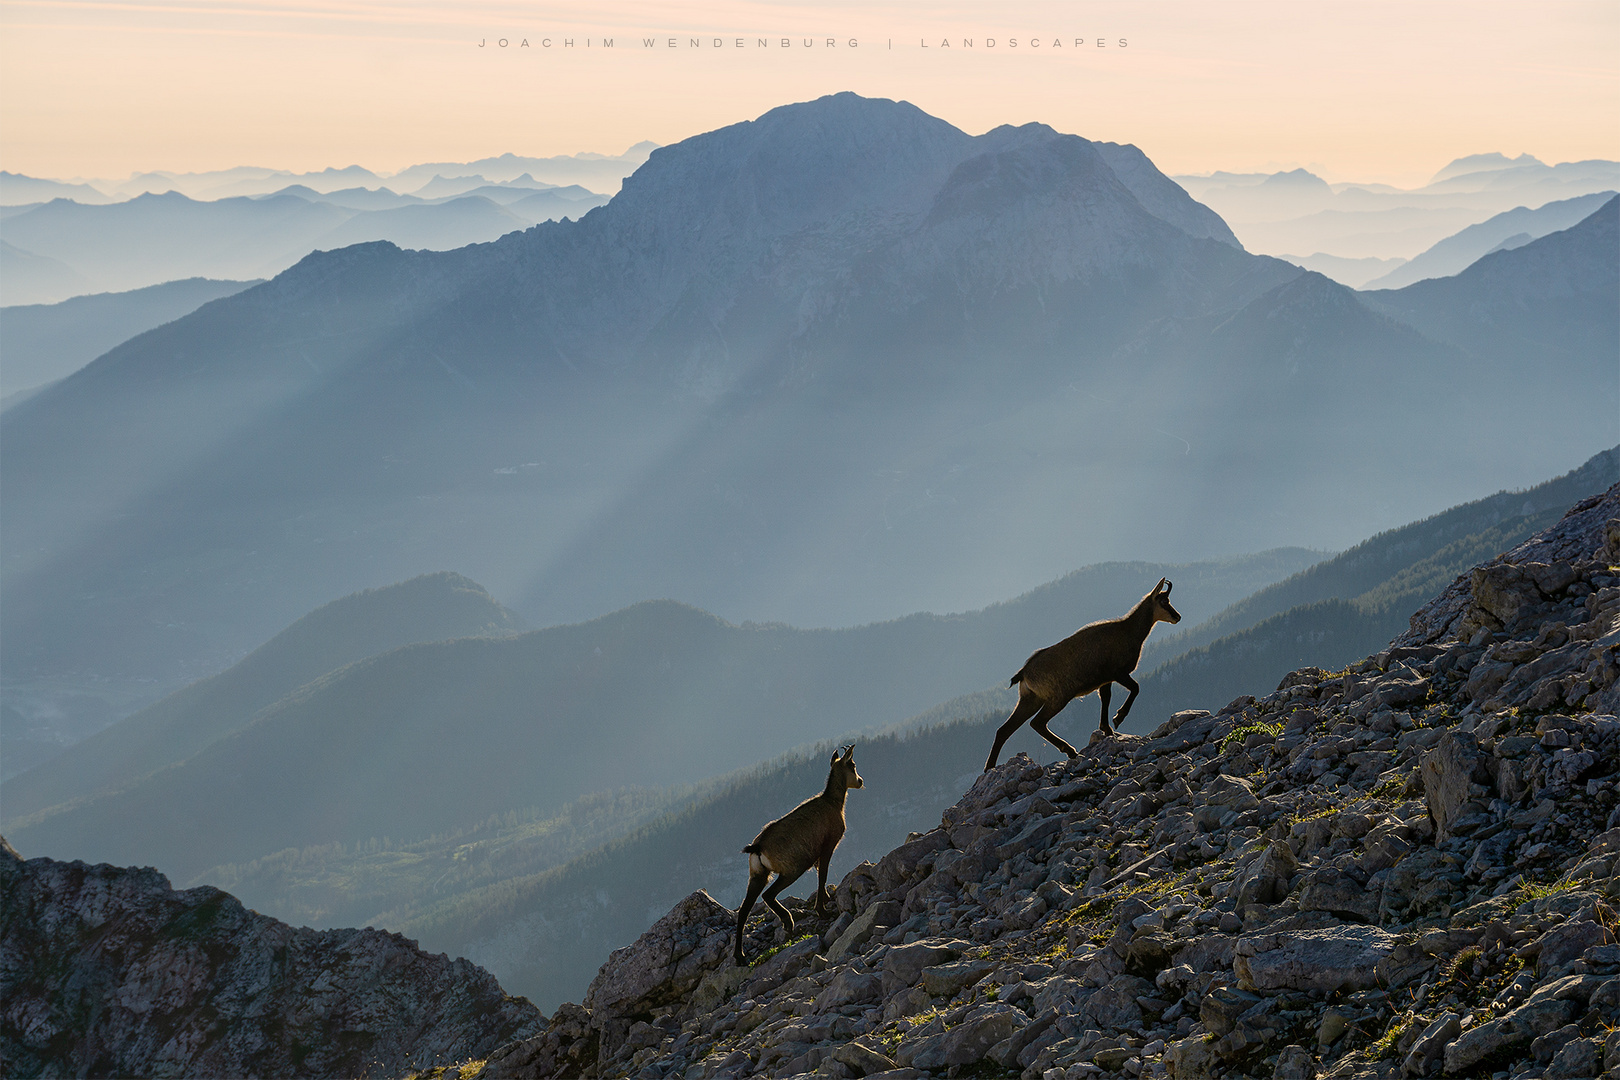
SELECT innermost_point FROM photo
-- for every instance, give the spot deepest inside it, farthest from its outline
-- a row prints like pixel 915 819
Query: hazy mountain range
pixel 830 366
pixel 598 172
pixel 40 343
pixel 1511 229
pixel 1358 232
pixel 155 238
pixel 314 728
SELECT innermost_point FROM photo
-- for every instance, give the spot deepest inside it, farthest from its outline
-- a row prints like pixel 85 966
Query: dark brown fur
pixel 790 845
pixel 1092 658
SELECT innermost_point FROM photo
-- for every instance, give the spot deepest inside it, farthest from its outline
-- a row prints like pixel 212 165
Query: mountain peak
pixel 1296 180
pixel 1491 162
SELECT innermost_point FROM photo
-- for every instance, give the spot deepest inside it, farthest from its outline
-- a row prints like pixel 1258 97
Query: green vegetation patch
pixel 1239 736
pixel 767 954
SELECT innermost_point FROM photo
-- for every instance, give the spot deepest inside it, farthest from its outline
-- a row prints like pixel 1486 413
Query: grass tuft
pixel 767 954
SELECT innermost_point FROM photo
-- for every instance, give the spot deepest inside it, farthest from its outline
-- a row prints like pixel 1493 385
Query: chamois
pixel 789 845
pixel 1092 658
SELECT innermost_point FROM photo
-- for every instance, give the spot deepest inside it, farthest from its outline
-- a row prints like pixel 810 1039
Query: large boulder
pixel 1265 881
pixel 903 965
pixel 969 1041
pixel 1343 958
pixel 849 987
pixel 1549 1008
pixel 1339 893
pixel 875 916
pixel 1449 772
pixel 663 965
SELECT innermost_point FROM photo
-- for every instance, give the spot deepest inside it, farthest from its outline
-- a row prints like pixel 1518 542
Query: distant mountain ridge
pixel 540 719
pixel 434 607
pixel 1568 279
pixel 40 343
pixel 1513 228
pixel 158 237
pixel 1334 228
pixel 1342 608
pixel 600 172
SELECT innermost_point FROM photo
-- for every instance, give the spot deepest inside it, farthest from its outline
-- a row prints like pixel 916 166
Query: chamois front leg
pixel 1028 705
pixel 1045 717
pixel 1105 691
pixel 1130 684
pixel 821 879
pixel 756 882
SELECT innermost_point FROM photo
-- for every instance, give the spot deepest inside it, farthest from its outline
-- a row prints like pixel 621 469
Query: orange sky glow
pixel 1352 89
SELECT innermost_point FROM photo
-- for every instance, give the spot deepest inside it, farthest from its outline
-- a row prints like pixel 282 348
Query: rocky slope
pixel 106 971
pixel 1392 870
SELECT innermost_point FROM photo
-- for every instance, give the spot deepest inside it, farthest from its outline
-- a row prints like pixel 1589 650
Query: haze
pixel 1365 91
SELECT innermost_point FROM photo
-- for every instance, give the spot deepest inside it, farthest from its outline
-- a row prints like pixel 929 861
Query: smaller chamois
pixel 803 836
pixel 1094 657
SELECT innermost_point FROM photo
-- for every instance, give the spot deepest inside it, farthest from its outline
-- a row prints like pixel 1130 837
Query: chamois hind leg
pixel 782 881
pixel 756 882
pixel 1045 717
pixel 1130 684
pixel 1028 706
pixel 1105 691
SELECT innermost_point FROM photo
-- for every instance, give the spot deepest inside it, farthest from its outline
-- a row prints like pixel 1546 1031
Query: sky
pixel 1352 89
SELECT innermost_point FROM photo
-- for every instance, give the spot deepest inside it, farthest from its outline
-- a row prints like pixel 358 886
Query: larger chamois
pixel 803 836
pixel 1094 657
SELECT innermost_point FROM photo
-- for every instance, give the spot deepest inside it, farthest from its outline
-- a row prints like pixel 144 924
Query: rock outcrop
pixel 1408 866
pixel 107 971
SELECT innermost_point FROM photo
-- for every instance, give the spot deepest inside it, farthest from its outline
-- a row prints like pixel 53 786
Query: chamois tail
pixel 751 849
pixel 1018 678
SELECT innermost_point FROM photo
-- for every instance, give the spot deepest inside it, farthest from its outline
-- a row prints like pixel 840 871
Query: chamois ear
pixel 1163 586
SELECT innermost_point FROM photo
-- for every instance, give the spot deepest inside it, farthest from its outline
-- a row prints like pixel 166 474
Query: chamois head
pixel 1160 598
pixel 843 767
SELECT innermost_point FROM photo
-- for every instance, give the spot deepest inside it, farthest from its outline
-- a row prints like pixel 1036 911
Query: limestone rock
pixel 849 987
pixel 944 980
pixel 1563 944
pixel 903 965
pixel 1294 1063
pixel 1222 1005
pixel 1327 960
pixel 1577 1058
pixel 1550 1007
pixel 667 961
pixel 1449 770
pixel 1192 1058
pixel 1339 893
pixel 109 971
pixel 1431 1045
pixel 863 1059
pixel 1266 880
pixel 969 1041
pixel 883 913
